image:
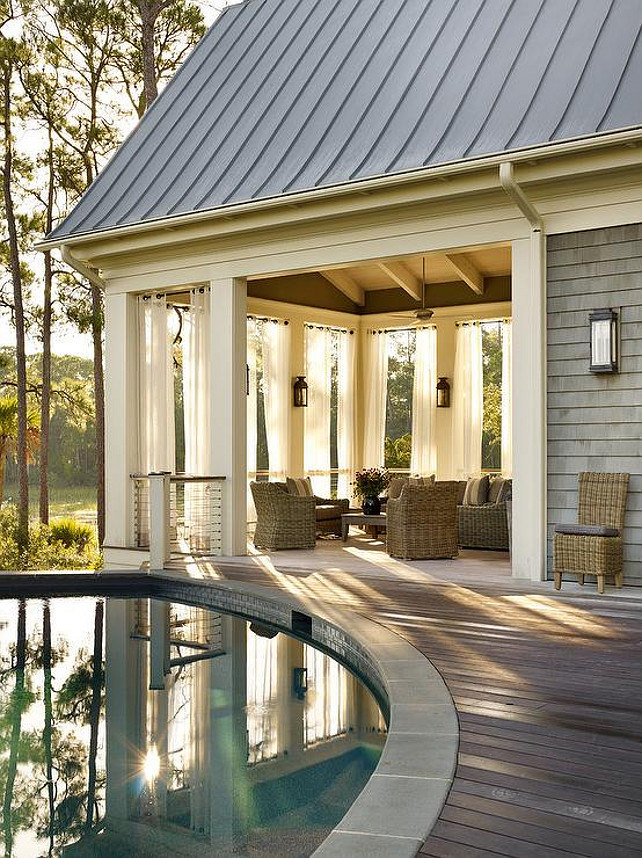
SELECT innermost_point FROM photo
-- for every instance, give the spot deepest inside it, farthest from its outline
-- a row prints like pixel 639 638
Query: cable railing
pixel 188 512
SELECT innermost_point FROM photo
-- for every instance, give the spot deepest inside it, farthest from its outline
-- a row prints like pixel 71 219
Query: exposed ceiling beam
pixel 467 271
pixel 403 277
pixel 344 283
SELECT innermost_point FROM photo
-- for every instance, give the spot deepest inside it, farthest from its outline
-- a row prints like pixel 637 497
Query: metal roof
pixel 290 95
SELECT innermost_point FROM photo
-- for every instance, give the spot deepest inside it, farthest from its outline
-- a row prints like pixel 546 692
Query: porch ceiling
pixel 469 275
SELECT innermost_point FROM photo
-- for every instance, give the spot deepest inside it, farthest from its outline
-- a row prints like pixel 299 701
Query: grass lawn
pixel 74 501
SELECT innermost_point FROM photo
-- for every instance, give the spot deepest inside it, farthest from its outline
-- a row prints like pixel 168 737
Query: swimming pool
pixel 144 727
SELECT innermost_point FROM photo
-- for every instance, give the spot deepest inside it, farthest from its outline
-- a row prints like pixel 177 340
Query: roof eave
pixel 630 136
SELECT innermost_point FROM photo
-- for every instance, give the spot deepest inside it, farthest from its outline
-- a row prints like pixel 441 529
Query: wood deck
pixel 548 688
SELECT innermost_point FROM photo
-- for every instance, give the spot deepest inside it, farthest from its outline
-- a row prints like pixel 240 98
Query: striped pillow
pixel 300 486
pixel 476 491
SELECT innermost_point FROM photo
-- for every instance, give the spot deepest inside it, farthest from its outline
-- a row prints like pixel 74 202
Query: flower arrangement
pixel 370 482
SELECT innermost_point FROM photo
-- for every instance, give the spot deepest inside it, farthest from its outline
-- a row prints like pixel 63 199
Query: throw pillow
pixel 476 491
pixel 506 492
pixel 395 486
pixel 495 489
pixel 300 486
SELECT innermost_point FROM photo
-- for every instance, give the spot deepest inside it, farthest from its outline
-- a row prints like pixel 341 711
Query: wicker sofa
pixel 484 526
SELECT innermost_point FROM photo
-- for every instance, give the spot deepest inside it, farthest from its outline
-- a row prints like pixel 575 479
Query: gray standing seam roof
pixel 289 95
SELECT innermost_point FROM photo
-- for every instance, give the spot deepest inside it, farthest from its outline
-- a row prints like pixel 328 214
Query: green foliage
pixel 397 452
pixel 43 550
pixel 492 422
pixel 401 372
pixel 72 533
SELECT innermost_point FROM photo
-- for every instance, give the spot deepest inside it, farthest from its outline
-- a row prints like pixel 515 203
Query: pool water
pixel 136 727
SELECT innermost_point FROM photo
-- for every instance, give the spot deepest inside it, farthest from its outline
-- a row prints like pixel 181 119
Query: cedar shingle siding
pixel 594 421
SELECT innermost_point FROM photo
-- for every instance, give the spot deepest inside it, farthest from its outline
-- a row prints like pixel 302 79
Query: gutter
pixel 629 137
pixel 85 271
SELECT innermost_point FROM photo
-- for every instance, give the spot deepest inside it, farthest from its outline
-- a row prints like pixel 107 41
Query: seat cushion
pixel 586 530
pixel 328 511
pixel 300 486
pixel 476 491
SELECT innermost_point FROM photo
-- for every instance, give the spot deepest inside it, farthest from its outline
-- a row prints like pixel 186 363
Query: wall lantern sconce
pixel 299 682
pixel 300 392
pixel 443 393
pixel 604 341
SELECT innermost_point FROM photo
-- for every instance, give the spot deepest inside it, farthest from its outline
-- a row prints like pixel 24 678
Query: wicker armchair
pixel 593 546
pixel 483 526
pixel 283 520
pixel 421 523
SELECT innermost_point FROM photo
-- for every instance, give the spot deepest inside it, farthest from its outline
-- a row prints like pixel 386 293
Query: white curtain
pixel 507 398
pixel 196 382
pixel 277 389
pixel 156 423
pixel 318 369
pixel 346 423
pixel 423 459
pixel 375 354
pixel 251 414
pixel 468 402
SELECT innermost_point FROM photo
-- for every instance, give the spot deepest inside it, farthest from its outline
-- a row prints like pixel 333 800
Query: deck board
pixel 548 689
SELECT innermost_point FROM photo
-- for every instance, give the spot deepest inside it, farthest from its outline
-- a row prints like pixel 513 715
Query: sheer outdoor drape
pixel 375 355
pixel 507 397
pixel 423 459
pixel 346 423
pixel 318 369
pixel 251 414
pixel 262 677
pixel 468 401
pixel 156 424
pixel 277 390
pixel 196 335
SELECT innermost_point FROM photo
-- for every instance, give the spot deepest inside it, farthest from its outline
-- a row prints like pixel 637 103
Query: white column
pixel 529 407
pixel 159 514
pixel 121 415
pixel 229 406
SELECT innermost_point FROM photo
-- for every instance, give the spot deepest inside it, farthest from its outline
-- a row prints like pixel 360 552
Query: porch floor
pixel 547 688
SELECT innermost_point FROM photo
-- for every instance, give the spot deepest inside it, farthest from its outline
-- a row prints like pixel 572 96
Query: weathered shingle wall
pixel 594 421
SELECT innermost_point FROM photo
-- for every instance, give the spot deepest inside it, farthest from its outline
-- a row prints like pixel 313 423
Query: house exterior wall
pixel 594 420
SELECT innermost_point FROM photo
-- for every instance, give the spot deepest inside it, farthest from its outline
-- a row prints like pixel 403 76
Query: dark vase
pixel 371 506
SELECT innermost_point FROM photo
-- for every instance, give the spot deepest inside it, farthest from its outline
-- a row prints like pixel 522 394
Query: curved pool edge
pixel 394 813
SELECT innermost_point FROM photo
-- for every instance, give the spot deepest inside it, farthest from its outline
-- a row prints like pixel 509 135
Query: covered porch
pixel 211 401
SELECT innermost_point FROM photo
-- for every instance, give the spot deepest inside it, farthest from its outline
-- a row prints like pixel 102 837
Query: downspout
pixel 533 331
pixel 85 271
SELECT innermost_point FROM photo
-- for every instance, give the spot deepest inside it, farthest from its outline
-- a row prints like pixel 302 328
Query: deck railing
pixel 177 513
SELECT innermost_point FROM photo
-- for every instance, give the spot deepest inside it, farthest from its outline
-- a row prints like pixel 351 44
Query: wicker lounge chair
pixel 422 522
pixel 283 520
pixel 593 546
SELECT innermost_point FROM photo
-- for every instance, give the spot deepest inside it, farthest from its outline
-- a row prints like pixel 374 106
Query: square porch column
pixel 121 416
pixel 529 407
pixel 228 416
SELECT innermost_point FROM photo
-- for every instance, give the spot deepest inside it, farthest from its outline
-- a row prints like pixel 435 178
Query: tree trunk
pixel 99 390
pixel 47 730
pixel 16 278
pixel 94 711
pixel 45 402
pixel 148 17
pixel 17 704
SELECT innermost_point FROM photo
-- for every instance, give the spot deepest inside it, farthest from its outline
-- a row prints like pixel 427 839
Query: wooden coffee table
pixel 360 519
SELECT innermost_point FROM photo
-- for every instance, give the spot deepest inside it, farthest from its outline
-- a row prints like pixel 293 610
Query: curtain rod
pixel 402 330
pixel 339 330
pixel 268 319
pixel 498 321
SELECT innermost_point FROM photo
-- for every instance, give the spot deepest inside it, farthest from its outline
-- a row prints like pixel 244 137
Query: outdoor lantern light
pixel 300 392
pixel 443 393
pixel 604 341
pixel 299 682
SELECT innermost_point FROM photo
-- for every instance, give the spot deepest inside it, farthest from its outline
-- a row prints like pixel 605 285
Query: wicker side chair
pixel 421 523
pixel 282 520
pixel 593 546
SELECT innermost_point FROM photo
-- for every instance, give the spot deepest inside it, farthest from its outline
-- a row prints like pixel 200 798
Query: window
pixel 401 370
pixel 492 392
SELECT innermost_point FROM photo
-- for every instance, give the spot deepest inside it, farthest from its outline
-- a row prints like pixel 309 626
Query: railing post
pixel 159 531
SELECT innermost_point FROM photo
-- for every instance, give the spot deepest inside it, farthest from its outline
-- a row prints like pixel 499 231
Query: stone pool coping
pixel 394 813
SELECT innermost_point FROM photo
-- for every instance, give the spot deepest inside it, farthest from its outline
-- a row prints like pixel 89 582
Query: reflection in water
pixel 214 737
